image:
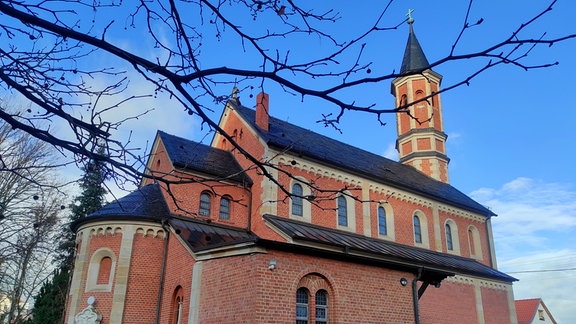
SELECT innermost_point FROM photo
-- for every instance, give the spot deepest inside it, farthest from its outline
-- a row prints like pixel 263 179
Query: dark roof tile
pixel 299 141
pixel 190 155
pixel 414 58
pixel 143 203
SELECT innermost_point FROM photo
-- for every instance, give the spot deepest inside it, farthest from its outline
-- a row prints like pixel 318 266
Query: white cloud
pixel 534 231
pixel 391 152
pixel 554 287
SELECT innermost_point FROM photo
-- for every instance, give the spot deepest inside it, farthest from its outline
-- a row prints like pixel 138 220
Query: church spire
pixel 421 139
pixel 414 58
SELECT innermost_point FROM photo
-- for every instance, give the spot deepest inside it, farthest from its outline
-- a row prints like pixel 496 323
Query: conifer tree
pixel 51 300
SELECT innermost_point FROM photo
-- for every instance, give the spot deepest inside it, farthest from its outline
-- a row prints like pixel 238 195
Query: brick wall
pixel 144 278
pixel 243 290
pixel 451 303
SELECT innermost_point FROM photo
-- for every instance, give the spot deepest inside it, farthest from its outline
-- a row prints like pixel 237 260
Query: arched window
pixel 225 208
pixel 104 271
pixel 342 211
pixel 101 270
pixel 471 242
pixel 417 230
pixel 321 306
pixel 297 206
pixel 382 229
pixel 449 243
pixel 474 243
pixel 302 306
pixel 205 202
pixel 177 305
pixel 403 100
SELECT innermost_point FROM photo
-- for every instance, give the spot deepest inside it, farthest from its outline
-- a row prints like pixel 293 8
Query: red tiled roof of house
pixel 526 309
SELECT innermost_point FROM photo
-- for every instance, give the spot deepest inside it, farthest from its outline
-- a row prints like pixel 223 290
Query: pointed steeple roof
pixel 414 58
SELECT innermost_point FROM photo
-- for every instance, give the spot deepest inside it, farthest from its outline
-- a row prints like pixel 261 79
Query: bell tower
pixel 421 139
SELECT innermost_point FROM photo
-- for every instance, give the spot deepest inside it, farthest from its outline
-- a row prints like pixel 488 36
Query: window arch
pixel 342 211
pixel 321 309
pixel 177 306
pixel 297 203
pixel 101 270
pixel 205 204
pixel 382 226
pixel 420 226
pixel 475 243
pixel 225 208
pixel 302 309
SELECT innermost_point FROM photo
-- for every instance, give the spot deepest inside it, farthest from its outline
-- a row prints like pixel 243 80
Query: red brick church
pixel 324 233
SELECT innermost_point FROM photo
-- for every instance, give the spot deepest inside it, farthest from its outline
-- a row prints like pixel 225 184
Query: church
pixel 290 226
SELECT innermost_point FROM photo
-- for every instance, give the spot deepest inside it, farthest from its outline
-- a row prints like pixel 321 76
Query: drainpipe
pixel 162 273
pixel 415 296
pixel 488 241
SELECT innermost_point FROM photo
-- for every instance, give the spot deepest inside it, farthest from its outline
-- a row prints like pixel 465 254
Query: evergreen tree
pixel 90 200
pixel 51 300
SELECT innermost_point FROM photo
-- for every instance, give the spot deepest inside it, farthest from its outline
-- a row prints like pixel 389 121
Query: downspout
pixel 163 271
pixel 488 240
pixel 415 296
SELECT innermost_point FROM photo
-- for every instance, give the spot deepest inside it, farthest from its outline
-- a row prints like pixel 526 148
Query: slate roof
pixel 394 252
pixel 200 235
pixel 144 203
pixel 414 59
pixel 190 155
pixel 299 141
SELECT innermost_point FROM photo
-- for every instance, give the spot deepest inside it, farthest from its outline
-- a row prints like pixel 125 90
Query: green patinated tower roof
pixel 414 58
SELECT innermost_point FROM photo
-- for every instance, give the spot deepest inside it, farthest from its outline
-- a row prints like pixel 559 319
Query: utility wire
pixel 539 271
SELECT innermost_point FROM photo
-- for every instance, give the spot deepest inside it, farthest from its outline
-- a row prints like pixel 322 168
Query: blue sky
pixel 510 132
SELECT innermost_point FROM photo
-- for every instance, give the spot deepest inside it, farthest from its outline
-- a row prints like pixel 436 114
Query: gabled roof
pixel 190 155
pixel 145 203
pixel 526 310
pixel 393 252
pixel 414 59
pixel 299 141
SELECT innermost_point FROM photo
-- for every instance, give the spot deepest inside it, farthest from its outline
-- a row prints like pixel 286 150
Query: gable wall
pixel 264 199
pixel 184 198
